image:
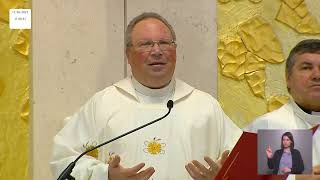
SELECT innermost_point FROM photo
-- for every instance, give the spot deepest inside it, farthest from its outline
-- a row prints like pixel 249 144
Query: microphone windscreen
pixel 170 104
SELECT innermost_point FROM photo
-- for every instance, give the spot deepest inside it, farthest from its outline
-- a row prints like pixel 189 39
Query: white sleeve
pixel 231 133
pixel 68 144
pixel 255 125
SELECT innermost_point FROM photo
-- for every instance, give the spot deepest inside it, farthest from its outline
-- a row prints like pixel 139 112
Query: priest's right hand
pixel 269 152
pixel 117 172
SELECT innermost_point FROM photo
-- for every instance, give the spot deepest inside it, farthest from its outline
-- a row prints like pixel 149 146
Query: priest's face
pixel 152 56
pixel 304 80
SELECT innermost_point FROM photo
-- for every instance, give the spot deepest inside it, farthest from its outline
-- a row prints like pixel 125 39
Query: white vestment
pixel 290 116
pixel 196 127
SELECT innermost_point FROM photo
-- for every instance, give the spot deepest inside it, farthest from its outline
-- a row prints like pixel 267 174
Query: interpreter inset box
pixel 284 151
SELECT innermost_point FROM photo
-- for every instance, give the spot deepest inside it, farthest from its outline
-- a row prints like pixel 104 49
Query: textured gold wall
pixel 14 96
pixel 255 37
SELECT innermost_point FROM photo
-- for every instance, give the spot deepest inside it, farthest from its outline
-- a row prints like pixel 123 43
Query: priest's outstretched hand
pixel 118 172
pixel 199 171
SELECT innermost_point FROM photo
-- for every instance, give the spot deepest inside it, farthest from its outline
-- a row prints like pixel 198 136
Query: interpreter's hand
pixel 117 172
pixel 269 152
pixel 199 171
pixel 286 170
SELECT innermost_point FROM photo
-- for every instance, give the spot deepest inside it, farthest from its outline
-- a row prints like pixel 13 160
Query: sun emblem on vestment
pixel 89 146
pixel 154 146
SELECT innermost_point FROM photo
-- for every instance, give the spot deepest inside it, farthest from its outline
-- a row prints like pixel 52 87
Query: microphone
pixel 66 173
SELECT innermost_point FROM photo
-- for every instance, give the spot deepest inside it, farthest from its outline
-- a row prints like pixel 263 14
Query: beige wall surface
pixel 77 50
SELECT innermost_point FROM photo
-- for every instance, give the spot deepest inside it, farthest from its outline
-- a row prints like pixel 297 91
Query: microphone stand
pixel 66 173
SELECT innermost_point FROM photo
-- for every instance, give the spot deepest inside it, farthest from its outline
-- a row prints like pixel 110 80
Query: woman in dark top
pixel 286 160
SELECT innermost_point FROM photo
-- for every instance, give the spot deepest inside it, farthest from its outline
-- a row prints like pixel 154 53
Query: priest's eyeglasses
pixel 146 46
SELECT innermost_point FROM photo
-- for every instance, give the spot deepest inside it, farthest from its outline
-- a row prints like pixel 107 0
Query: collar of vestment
pixel 168 89
pixel 312 119
pixel 181 89
pixel 148 95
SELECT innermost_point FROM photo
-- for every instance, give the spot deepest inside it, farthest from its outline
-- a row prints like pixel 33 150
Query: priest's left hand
pixel 199 171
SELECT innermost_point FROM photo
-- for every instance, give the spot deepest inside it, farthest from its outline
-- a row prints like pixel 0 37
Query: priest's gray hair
pixel 305 46
pixel 143 16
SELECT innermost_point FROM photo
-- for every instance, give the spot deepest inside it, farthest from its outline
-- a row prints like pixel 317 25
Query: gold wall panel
pixel 232 57
pixel 1 87
pixel 296 15
pixel 244 56
pixel 259 38
pixel 5 5
pixel 14 96
pixel 274 102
